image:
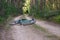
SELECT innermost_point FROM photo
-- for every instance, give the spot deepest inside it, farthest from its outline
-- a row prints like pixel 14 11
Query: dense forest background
pixel 9 8
pixel 44 9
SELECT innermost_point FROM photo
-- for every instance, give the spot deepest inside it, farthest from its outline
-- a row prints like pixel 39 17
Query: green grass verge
pixel 56 19
pixel 53 37
pixel 40 28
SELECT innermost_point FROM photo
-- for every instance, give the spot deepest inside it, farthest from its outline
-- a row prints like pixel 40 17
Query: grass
pixel 53 37
pixel 40 28
pixel 7 26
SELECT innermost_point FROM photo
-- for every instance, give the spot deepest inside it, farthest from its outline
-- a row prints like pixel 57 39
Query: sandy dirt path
pixel 51 27
pixel 20 32
pixel 26 33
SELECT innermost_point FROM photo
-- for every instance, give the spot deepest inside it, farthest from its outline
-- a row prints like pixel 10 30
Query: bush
pixel 56 19
pixel 6 10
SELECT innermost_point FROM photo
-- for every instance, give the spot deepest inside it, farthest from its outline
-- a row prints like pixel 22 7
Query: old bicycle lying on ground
pixel 23 22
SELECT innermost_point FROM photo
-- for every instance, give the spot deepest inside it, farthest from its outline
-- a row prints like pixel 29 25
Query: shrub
pixel 56 19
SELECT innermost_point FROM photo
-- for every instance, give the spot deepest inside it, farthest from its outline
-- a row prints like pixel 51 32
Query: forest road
pixel 28 32
pixel 51 27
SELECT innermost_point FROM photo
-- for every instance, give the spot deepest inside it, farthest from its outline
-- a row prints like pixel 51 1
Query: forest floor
pixel 29 32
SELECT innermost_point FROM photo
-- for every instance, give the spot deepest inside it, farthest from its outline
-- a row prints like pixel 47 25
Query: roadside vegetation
pixel 9 9
pixel 56 19
pixel 45 9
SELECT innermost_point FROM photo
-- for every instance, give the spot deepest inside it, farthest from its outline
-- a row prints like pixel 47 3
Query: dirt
pixel 54 29
pixel 20 32
pixel 51 27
